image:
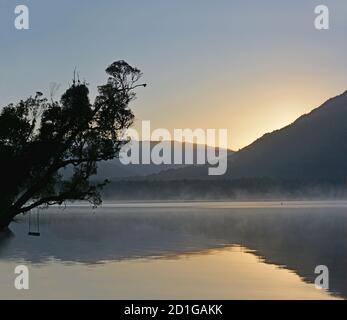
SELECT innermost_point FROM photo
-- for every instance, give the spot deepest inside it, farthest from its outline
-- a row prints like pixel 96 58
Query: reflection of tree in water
pixel 298 239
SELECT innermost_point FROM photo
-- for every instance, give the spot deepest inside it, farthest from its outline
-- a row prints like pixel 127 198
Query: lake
pixel 179 250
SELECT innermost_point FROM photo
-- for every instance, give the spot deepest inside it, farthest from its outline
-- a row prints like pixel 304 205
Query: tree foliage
pixel 42 138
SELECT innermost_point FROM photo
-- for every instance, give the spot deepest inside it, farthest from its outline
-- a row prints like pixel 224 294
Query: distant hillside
pixel 115 170
pixel 312 147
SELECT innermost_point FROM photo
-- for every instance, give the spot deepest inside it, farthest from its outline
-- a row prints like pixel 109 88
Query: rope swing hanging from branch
pixel 35 233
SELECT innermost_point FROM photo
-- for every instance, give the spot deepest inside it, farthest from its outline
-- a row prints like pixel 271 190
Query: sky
pixel 248 66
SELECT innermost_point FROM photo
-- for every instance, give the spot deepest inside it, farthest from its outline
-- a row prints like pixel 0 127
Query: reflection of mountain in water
pixel 297 238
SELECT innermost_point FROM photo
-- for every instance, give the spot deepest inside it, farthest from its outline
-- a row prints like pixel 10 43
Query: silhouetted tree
pixel 40 138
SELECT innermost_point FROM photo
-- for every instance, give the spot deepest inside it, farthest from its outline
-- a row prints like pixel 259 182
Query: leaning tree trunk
pixel 5 221
pixel 6 214
pixel 8 193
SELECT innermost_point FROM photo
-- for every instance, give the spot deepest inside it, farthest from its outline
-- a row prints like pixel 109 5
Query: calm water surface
pixel 209 250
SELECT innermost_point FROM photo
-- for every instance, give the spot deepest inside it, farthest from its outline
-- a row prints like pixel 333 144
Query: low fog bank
pixel 241 189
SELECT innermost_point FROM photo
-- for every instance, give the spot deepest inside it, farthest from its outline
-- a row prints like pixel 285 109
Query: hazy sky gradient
pixel 249 66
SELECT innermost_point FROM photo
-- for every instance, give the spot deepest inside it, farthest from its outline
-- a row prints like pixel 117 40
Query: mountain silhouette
pixel 312 147
pixel 114 169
